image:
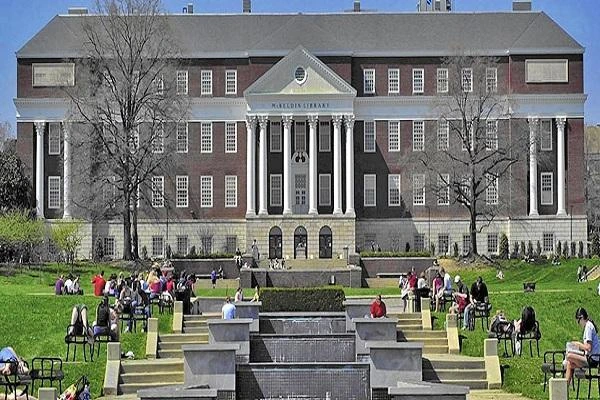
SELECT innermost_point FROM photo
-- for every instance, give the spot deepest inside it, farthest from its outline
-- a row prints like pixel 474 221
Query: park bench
pixel 46 369
pixel 16 379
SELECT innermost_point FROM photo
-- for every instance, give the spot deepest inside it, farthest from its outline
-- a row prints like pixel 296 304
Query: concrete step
pixel 454 374
pixel 131 388
pixel 151 377
pixel 472 384
pixel 172 353
pixel 416 334
pixel 452 362
pixel 428 342
pixel 435 350
pixel 201 317
pixel 493 395
pixel 144 366
pixel 409 325
pixel 177 345
pixel 195 323
pixel 181 337
pixel 405 316
pixel 195 330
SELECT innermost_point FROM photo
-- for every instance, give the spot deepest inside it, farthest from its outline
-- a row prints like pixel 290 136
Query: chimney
pixel 356 5
pixel 247 6
pixel 78 10
pixel 521 5
pixel 190 8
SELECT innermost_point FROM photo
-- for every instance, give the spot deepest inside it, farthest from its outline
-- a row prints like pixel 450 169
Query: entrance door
pixel 300 243
pixel 275 243
pixel 300 205
pixel 325 242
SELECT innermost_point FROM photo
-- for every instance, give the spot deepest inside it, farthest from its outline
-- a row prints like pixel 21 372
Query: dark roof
pixel 357 34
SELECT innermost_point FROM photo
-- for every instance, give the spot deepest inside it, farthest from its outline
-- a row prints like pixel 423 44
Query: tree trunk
pixel 126 230
pixel 473 230
pixel 134 233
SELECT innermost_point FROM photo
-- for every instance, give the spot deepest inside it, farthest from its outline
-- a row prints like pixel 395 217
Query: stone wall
pixel 348 277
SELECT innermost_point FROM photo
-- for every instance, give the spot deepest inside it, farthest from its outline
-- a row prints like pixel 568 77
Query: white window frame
pixel 231 191
pixel 181 188
pixel 418 135
pixel 276 190
pixel 159 84
pixel 206 191
pixel 491 80
pixel 275 133
pixel 466 78
pixel 324 189
pixel 419 242
pixel 393 136
pixel 442 80
pixel 546 135
pixel 547 242
pixel 231 81
pixel 231 137
pixel 491 135
pixel 158 141
pixel 418 80
pixel 182 82
pixel 369 81
pixel 443 190
pixel 206 137
pixel 491 191
pixel 492 243
pixel 418 183
pixel 370 180
pixel 324 137
pixel 443 243
pixel 206 82
pixel 300 136
pixel 443 135
pixel 182 137
pixel 54 192
pixel 180 239
pixel 158 191
pixel 393 80
pixel 54 138
pixel 155 240
pixel 369 134
pixel 552 79
pixel 108 244
pixel 394 190
pixel 549 188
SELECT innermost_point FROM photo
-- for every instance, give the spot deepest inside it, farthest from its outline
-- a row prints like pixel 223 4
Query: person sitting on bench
pixel 79 321
pixel 105 320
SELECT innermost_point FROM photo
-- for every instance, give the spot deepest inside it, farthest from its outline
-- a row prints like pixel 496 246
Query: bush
pixel 99 250
pixel 389 254
pixel 522 253
pixel 538 249
pixel 407 247
pixel 168 252
pixel 192 252
pixel 580 252
pixel 515 253
pixel 503 248
pixel 455 250
pixel 573 249
pixel 302 299
pixel 595 244
pixel 529 250
pixel 432 249
pixel 559 249
pixel 144 253
pixel 565 250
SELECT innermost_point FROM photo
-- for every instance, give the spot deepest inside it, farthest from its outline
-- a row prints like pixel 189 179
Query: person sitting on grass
pixel 59 285
pixel 378 309
pixel 585 353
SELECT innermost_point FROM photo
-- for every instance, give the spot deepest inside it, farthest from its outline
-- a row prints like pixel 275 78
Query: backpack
pixel 103 315
pixel 527 319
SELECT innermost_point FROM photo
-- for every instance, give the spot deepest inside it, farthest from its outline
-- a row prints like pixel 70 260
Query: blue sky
pixel 21 19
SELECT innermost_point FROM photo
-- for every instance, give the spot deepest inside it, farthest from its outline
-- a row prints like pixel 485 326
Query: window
pixel 158 246
pixel 546 135
pixel 134 139
pixel 491 80
pixel 492 243
pixel 159 84
pixel 394 190
pixel 369 81
pixel 182 137
pixel 54 192
pixel 324 136
pixel 443 135
pixel 300 186
pixel 418 135
pixel 300 75
pixel 419 242
pixel 491 135
pixel 206 137
pixel 206 83
pixel 231 81
pixel 158 191
pixel 541 71
pixel 181 183
pixel 466 245
pixel 324 189
pixel 275 137
pixel 548 242
pixel 275 189
pixel 182 82
pixel 442 80
pixel 230 191
pixel 491 191
pixel 206 191
pixel 468 137
pixel 443 243
pixel 230 244
pixel 230 137
pixel 109 246
pixel 300 137
pixel 393 135
pixel 206 244
pixel 418 190
pixel 418 80
pixel 443 183
pixel 465 188
pixel 467 80
pixel 182 245
pixel 393 80
pixel 158 141
pixel 53 139
pixel 370 240
pixel 369 139
pixel 369 190
pixel 547 197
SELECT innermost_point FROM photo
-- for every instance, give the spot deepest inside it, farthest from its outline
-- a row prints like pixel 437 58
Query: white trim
pixel 366 78
pixel 180 140
pixel 466 76
pixel 365 149
pixel 54 139
pixel 418 186
pixel 441 80
pixel 390 78
pixel 374 182
pixel 551 188
pixel 206 77
pixel 418 145
pixel 158 194
pixel 272 177
pixel 233 181
pixel 327 202
pixel 418 88
pixel 273 149
pixel 208 136
pixel 396 135
pixel 391 179
pixel 228 79
pixel 323 149
pixel 54 180
pixel 227 136
pixel 183 192
pixel 542 142
pixel 208 201
pixel 184 78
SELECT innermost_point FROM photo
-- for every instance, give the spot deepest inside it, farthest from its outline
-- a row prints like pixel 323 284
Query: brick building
pixel 301 124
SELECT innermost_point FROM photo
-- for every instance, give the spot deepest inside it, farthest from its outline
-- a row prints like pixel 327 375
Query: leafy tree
pixel 503 248
pixel 15 186
pixel 67 236
pixel 573 249
pixel 21 234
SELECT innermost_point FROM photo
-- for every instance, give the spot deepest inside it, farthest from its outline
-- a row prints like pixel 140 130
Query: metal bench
pixel 46 369
pixel 78 339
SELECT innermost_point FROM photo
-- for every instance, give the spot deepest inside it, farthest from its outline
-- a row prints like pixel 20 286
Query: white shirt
pixel 447 282
pixel 421 283
pixel 228 311
pixel 68 286
pixel 591 336
pixel 239 296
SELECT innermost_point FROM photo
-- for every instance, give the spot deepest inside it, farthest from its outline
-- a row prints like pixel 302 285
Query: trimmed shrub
pixel 559 249
pixel 580 252
pixel 565 250
pixel 503 248
pixel 522 252
pixel 515 253
pixel 302 299
pixel 168 252
pixel 99 250
pixel 538 249
pixel 455 250
pixel 573 249
pixel 595 244
pixel 432 249
pixel 389 254
pixel 529 249
pixel 144 253
pixel 407 247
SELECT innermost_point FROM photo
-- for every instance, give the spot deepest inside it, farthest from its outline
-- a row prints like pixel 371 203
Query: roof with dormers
pixel 360 34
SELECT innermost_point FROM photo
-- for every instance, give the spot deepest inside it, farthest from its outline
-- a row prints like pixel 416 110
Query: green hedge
pixel 302 299
pixel 390 254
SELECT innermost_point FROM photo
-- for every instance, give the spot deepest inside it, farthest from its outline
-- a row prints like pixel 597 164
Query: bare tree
pixel 127 98
pixel 592 176
pixel 472 152
pixel 5 134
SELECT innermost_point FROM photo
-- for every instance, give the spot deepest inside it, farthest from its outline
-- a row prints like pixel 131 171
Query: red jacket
pixel 99 283
pixel 378 309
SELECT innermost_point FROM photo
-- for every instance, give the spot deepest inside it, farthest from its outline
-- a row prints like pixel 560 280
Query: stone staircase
pixel 410 329
pixel 493 395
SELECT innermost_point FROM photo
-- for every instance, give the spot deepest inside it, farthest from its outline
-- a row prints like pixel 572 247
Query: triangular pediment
pixel 319 79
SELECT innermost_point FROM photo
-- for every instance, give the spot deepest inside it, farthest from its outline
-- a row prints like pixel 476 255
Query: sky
pixel 20 20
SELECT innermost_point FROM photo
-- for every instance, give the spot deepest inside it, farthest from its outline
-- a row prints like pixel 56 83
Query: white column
pixel 250 165
pixel 337 165
pixel 39 168
pixel 67 170
pixel 349 122
pixel 560 156
pixel 262 166
pixel 287 159
pixel 313 188
pixel 533 203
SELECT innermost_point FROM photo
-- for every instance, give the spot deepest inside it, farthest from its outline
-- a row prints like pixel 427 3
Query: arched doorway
pixel 275 243
pixel 325 242
pixel 300 243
